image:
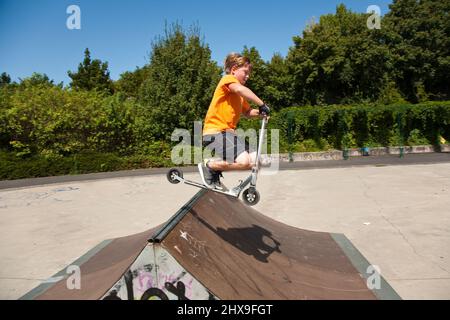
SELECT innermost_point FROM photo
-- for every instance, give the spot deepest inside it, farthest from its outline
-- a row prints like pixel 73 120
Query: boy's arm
pixel 245 92
pixel 252 113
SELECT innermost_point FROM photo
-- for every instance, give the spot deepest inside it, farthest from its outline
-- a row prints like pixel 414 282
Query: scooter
pixel 250 196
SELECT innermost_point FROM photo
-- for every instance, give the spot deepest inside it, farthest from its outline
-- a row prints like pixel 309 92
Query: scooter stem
pixel 260 142
pixel 255 169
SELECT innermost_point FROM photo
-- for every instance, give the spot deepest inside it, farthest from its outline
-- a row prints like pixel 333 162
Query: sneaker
pixel 216 180
pixel 210 178
pixel 207 174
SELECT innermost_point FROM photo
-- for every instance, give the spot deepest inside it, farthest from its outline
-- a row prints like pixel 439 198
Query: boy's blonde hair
pixel 235 60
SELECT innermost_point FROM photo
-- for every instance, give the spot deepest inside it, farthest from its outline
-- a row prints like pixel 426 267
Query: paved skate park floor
pixel 396 212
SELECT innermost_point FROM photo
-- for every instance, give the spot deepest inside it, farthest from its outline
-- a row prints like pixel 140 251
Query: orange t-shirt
pixel 225 109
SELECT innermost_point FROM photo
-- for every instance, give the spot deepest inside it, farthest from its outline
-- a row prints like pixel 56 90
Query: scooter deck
pixel 226 191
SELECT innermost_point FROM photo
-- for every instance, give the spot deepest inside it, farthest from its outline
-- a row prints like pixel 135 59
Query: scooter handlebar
pixel 264 110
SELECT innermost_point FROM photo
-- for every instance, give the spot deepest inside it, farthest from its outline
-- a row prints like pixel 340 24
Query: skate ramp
pixel 215 247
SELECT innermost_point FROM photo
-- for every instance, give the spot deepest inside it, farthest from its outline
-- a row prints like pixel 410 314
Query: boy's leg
pixel 210 177
pixel 244 161
pixel 252 156
pixel 225 166
pixel 235 154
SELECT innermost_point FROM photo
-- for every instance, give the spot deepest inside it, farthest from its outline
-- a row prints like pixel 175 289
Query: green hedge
pixel 12 167
pixel 50 121
pixel 341 127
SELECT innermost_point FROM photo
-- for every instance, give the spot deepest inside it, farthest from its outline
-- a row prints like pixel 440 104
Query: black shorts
pixel 225 145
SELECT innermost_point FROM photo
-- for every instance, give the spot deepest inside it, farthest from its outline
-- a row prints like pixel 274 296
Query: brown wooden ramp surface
pixel 238 253
pixel 99 269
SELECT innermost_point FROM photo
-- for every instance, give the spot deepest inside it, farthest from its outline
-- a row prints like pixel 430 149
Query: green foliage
pixel 180 83
pixel 270 81
pixel 259 77
pixel 338 60
pixel 91 75
pixel 5 105
pixel 50 120
pixel 418 35
pixel 37 79
pixel 343 127
pixel 279 90
pixel 417 138
pixel 54 121
pixel 47 130
pixel 12 167
pixel 5 79
pixel 310 145
pixel 390 94
pixel 130 83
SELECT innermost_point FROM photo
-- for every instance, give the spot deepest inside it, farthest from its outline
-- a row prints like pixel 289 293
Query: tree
pixel 91 75
pixel 259 77
pixel 5 79
pixel 130 83
pixel 418 35
pixel 338 60
pixel 269 80
pixel 37 79
pixel 180 83
pixel 5 105
pixel 279 91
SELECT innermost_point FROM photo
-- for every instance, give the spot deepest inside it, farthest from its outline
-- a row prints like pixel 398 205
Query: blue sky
pixel 34 36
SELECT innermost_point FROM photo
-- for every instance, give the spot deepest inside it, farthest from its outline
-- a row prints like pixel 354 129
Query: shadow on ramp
pixel 254 241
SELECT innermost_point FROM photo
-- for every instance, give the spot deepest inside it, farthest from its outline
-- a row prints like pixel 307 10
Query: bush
pixel 342 127
pixel 13 167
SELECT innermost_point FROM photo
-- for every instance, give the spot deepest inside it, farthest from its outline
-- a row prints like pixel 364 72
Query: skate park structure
pixel 216 247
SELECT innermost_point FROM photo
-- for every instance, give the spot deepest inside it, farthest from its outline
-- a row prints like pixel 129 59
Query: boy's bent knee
pixel 243 158
pixel 244 164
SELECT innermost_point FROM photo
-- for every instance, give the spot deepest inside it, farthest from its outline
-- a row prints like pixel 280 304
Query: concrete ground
pixel 397 216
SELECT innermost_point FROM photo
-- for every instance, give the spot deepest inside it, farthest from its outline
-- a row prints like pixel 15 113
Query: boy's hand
pixel 264 110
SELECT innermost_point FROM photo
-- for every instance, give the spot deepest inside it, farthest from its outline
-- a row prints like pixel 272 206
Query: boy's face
pixel 241 73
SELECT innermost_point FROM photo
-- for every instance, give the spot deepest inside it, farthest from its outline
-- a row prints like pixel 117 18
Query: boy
pixel 227 105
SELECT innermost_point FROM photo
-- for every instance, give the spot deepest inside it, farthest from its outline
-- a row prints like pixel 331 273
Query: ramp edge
pixel 44 286
pixel 159 235
pixel 385 292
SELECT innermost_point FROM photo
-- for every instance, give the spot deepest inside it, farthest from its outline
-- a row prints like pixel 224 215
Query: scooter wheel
pixel 251 196
pixel 172 174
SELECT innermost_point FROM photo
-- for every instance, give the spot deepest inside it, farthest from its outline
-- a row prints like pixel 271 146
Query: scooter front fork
pixel 254 177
